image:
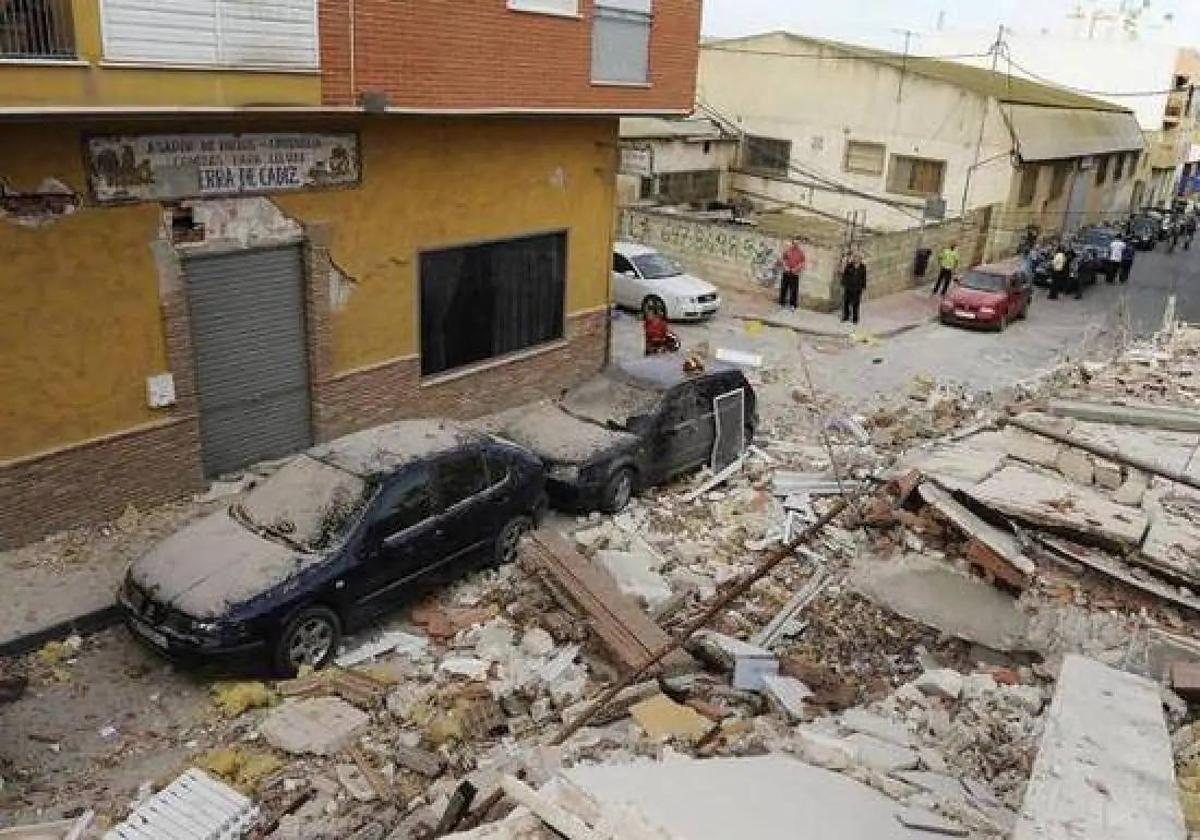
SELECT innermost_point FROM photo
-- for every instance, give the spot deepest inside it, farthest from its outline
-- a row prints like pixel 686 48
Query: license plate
pixel 970 316
pixel 150 634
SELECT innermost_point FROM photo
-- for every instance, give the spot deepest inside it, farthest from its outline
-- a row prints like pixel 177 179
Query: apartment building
pixel 231 229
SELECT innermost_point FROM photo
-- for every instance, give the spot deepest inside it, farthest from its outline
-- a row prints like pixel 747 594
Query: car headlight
pixel 566 473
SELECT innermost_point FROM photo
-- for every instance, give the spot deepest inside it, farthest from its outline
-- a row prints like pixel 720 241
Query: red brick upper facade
pixel 482 55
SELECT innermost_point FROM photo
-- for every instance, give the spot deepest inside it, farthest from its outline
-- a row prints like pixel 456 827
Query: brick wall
pixel 393 391
pixel 96 480
pixel 438 55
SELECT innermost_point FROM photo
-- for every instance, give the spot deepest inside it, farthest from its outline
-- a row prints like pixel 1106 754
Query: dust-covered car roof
pixel 387 448
pixel 662 372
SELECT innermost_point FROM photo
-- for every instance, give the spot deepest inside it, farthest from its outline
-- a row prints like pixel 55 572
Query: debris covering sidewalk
pixel 909 672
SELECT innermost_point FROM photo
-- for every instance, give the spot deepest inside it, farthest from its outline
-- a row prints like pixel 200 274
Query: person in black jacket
pixel 854 281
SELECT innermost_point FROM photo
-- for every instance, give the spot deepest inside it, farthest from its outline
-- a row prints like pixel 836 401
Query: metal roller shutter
pixel 248 335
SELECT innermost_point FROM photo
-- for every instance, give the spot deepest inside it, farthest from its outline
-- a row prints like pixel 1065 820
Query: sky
pixel 875 22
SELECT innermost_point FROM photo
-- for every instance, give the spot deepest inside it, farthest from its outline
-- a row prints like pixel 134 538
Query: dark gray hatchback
pixel 634 425
pixel 334 538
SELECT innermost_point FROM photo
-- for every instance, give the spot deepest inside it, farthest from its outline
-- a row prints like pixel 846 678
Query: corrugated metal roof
pixel 1001 86
pixel 696 129
pixel 1058 134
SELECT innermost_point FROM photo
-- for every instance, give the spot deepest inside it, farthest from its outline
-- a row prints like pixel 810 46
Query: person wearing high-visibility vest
pixel 948 262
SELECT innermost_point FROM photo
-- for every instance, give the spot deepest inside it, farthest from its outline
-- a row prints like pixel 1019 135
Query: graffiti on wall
pixel 753 255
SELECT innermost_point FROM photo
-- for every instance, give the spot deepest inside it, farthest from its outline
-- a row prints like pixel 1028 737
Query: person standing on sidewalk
pixel 948 262
pixel 1127 262
pixel 854 282
pixel 1116 255
pixel 1060 271
pixel 793 267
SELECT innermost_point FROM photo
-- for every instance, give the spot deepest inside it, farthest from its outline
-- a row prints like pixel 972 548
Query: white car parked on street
pixel 645 280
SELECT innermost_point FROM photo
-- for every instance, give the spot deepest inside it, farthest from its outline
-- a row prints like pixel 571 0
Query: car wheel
pixel 508 544
pixel 310 638
pixel 654 305
pixel 618 491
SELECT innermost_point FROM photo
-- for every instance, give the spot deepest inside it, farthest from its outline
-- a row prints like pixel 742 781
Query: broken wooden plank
pixel 1058 506
pixel 624 629
pixel 990 545
pixel 1104 767
pixel 1167 418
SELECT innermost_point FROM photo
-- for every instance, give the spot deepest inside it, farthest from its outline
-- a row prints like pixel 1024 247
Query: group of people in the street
pixel 853 278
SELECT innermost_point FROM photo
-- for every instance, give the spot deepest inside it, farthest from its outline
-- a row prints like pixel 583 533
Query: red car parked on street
pixel 990 296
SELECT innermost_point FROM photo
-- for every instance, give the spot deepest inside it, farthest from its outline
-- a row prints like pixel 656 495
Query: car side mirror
pixel 632 275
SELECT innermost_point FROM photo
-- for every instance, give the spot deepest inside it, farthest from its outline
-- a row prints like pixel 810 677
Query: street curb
pixel 783 325
pixel 84 624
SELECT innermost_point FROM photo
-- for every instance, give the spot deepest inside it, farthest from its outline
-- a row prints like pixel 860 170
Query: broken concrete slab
pixel 823 749
pixel 1133 490
pixel 858 720
pixel 1076 465
pixel 1104 767
pixel 1046 502
pixel 928 821
pixel 941 682
pixel 419 761
pixel 1172 546
pixel 749 662
pixel 1108 475
pixel 935 594
pixel 968 461
pixel 788 695
pixel 939 784
pixel 320 726
pixel 1001 543
pixel 882 755
pixel 1167 418
pixel 1031 448
pixel 633 573
pixel 765 797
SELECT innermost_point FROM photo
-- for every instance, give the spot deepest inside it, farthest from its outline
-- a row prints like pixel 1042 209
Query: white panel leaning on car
pixel 646 281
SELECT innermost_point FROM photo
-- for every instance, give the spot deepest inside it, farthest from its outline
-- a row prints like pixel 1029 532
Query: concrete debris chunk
pixel 396 641
pixel 465 666
pixel 823 749
pixel 750 663
pixel 857 720
pixel 537 642
pixel 788 695
pixel 882 755
pixel 923 820
pixel 420 761
pixel 320 726
pixel 1105 767
pixel 975 686
pixel 355 782
pixel 941 682
pixel 1002 544
pixel 939 784
pixel 633 573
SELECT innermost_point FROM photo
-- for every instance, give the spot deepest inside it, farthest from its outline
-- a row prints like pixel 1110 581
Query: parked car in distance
pixel 632 426
pixel 646 281
pixel 989 296
pixel 1092 244
pixel 1143 232
pixel 334 538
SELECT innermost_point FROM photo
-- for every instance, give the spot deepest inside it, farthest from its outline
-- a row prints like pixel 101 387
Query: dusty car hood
pixel 213 564
pixel 975 298
pixel 559 438
pixel 683 285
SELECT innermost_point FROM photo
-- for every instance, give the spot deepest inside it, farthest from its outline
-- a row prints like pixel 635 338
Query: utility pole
pixel 996 48
pixel 908 36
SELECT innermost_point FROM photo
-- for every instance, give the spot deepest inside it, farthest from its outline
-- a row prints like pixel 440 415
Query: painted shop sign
pixel 152 167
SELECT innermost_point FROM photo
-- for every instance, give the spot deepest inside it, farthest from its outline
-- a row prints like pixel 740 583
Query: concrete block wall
pixel 890 256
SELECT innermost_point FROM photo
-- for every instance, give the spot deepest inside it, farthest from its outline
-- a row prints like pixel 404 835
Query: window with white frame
pixel 567 8
pixel 233 33
pixel 621 41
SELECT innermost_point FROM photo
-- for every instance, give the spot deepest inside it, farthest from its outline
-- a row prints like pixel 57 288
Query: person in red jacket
pixel 793 266
pixel 659 338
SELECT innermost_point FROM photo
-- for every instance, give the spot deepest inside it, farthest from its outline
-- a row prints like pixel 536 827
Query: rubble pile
pixel 903 657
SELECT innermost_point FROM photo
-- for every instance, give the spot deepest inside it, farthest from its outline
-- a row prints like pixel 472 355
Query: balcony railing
pixel 36 29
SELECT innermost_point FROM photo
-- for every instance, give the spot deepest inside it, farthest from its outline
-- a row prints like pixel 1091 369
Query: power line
pixel 1085 91
pixel 846 56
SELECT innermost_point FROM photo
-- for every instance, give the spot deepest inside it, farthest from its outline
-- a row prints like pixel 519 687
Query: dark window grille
pixel 36 29
pixel 485 301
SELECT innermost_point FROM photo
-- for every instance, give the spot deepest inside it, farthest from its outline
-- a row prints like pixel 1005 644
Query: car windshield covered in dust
pixel 307 503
